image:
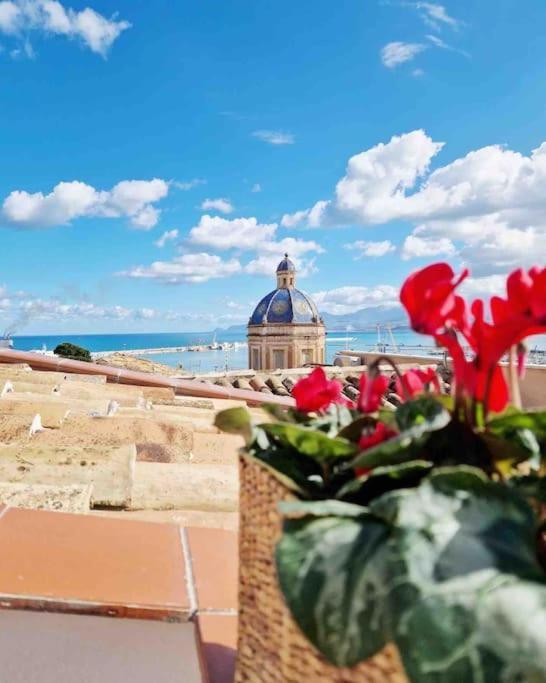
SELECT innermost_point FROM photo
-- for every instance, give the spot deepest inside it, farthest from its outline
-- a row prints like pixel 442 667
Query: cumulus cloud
pixel 20 17
pixel 247 234
pixel 238 233
pixel 489 203
pixel 274 137
pixel 167 236
pixel 348 299
pixel 423 247
pixel 396 53
pixel 68 201
pixel 256 187
pixel 270 253
pixel 222 205
pixel 371 249
pixel 187 268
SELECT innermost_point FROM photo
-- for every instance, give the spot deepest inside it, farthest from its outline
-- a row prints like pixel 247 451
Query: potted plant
pixel 412 544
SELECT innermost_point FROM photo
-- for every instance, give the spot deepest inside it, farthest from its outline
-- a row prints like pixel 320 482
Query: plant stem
pixel 373 371
pixel 513 376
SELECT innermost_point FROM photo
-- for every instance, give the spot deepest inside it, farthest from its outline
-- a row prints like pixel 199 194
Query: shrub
pixel 73 352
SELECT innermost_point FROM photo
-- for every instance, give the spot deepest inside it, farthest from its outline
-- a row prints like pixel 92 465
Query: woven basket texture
pixel 271 648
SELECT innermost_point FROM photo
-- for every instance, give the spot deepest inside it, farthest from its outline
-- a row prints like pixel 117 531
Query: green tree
pixel 73 352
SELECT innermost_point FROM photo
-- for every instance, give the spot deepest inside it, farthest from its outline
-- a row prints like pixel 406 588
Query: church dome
pixel 285 306
pixel 286 265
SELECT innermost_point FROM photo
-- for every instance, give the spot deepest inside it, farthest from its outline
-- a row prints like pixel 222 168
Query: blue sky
pixel 160 157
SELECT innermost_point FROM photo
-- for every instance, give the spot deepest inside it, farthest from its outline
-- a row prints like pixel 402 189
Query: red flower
pixel 416 381
pixel 316 392
pixel 371 392
pixel 428 297
pixel 369 438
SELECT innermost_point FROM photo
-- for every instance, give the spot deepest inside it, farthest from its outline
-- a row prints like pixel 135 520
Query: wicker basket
pixel 271 647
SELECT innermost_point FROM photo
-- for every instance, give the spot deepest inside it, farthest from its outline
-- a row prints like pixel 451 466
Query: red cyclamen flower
pixel 316 392
pixel 371 392
pixel 429 299
pixel 369 438
pixel 417 381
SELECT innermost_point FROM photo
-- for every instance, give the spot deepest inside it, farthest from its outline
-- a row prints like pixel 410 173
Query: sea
pixel 405 340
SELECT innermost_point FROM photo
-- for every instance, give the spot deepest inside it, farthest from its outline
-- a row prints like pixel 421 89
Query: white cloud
pixel 222 205
pixel 396 53
pixel 274 137
pixel 348 299
pixel 423 247
pixel 167 236
pixel 371 249
pixel 256 187
pixel 435 15
pixel 238 233
pixel 189 184
pixel 246 234
pixel 438 42
pixel 270 253
pixel 19 17
pixel 490 204
pixel 188 268
pixel 483 287
pixel 67 201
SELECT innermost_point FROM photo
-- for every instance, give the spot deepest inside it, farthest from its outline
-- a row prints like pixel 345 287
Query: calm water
pixel 209 361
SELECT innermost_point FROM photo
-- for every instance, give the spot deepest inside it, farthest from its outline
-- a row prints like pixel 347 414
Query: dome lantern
pixel 286 274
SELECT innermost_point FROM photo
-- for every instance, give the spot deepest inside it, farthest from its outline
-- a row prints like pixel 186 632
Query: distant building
pixel 285 330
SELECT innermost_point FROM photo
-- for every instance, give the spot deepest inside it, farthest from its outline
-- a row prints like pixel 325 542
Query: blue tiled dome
pixel 285 306
pixel 285 265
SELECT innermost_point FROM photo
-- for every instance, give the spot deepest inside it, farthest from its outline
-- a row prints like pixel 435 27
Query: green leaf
pixel 421 410
pixel 326 569
pixel 321 508
pixel 449 575
pixel 297 472
pixel 235 421
pixel 510 422
pixel 531 486
pixel 353 431
pixel 382 479
pixel 310 442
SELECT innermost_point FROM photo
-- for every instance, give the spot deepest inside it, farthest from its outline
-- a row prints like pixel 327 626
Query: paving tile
pixel 100 565
pixel 215 562
pixel 217 635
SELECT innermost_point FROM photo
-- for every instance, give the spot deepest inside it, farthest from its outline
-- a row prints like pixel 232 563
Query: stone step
pixel 18 387
pixel 121 430
pixel 22 404
pixel 34 378
pixel 157 452
pixel 184 518
pixel 51 414
pixel 109 470
pixel 16 427
pixel 158 413
pixel 74 498
pixel 218 447
pixel 159 394
pixel 164 486
pixel 124 396
pixel 16 373
pixel 11 367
